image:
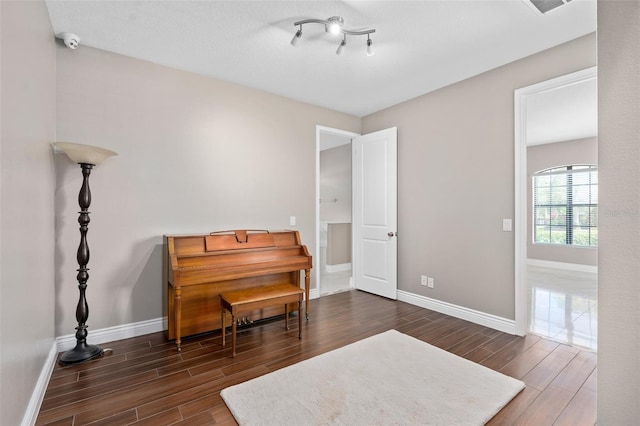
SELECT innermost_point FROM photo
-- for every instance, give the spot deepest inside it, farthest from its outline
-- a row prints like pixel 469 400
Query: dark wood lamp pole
pixel 87 156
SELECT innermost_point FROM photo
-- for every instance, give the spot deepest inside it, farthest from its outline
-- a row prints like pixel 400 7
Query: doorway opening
pixel 556 209
pixel 333 269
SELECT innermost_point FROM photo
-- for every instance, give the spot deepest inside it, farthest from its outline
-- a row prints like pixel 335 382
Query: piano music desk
pixel 239 301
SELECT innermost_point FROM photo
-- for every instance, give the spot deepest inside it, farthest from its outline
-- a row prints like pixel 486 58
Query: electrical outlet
pixel 430 282
pixel 292 220
pixel 423 280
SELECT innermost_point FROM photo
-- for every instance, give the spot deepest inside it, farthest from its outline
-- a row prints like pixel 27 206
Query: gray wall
pixel 335 205
pixel 335 184
pixel 27 93
pixel 455 180
pixel 338 243
pixel 541 157
pixel 619 251
pixel 195 155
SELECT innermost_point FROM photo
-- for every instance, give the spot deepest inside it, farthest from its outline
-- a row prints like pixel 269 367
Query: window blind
pixel 565 206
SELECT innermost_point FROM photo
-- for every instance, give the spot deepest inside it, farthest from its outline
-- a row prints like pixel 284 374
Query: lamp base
pixel 81 353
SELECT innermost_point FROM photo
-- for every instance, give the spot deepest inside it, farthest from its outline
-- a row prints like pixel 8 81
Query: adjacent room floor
pixel 334 282
pixel 563 305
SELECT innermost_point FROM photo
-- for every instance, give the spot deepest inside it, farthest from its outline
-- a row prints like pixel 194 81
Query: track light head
pixel 335 25
pixel 343 43
pixel 370 50
pixel 296 38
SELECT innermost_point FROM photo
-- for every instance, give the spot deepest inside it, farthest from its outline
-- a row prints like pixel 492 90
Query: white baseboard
pixel 561 265
pixel 339 268
pixel 37 396
pixel 118 332
pixel 314 293
pixel 477 317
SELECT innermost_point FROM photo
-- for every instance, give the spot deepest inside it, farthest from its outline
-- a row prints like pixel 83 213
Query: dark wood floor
pixel 145 381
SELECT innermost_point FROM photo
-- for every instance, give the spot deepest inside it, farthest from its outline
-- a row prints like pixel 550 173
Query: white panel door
pixel 375 212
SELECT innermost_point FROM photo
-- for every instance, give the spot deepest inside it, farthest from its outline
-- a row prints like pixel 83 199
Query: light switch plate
pixel 506 225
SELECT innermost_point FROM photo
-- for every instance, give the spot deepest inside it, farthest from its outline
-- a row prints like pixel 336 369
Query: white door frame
pixel 316 270
pixel 521 181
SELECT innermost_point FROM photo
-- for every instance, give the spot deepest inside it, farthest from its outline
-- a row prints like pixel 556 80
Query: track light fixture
pixel 334 25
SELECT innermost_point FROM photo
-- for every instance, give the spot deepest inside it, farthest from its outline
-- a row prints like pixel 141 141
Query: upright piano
pixel 197 268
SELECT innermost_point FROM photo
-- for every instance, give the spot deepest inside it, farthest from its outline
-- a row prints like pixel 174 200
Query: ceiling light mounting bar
pixel 327 23
pixel 334 25
pixel 363 32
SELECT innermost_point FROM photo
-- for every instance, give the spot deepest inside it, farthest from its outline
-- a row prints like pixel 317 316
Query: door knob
pixel 392 234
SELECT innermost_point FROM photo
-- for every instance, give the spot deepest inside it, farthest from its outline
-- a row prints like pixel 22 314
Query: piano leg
pixel 234 328
pixel 307 284
pixel 223 329
pixel 300 318
pixel 178 309
pixel 286 316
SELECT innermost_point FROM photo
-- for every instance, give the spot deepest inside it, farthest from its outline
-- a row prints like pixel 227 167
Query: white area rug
pixel 387 379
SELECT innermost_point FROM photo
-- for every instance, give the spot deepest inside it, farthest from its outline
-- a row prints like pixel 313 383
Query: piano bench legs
pixel 239 301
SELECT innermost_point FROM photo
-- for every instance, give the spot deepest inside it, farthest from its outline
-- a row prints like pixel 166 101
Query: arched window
pixel 565 206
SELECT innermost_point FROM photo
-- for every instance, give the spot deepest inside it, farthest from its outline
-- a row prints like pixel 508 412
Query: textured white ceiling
pixel 564 113
pixel 420 45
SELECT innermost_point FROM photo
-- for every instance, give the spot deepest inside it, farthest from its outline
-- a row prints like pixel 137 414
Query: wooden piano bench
pixel 248 299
